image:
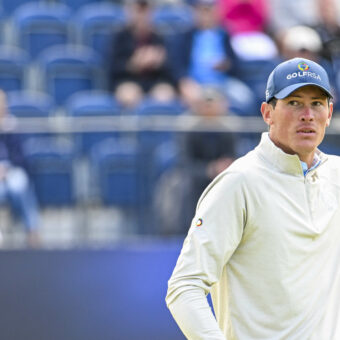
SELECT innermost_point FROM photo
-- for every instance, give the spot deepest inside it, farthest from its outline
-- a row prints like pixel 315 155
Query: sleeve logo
pixel 199 222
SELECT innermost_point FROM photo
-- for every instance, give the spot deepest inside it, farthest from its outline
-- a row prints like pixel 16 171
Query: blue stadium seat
pixel 30 104
pixel 67 69
pixel 40 25
pixel 92 104
pixel 172 19
pixel 9 6
pixel 96 23
pixel 150 139
pixel 254 73
pixel 116 164
pixel 166 157
pixel 149 107
pixel 3 20
pixel 50 161
pixel 13 68
pixel 245 105
pixel 76 4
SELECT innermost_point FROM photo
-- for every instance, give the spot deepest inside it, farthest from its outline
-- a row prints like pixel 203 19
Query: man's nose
pixel 307 115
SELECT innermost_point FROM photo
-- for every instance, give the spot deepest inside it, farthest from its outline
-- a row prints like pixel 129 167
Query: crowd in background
pixel 218 66
pixel 219 47
pixel 213 62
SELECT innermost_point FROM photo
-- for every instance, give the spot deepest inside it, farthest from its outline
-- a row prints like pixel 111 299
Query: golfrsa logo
pixel 303 66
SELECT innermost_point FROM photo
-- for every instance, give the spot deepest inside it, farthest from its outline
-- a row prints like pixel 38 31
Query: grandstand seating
pixel 149 107
pixel 14 63
pixel 30 104
pixel 245 105
pixel 50 161
pixel 95 104
pixel 97 21
pixel 149 140
pixel 67 69
pixel 91 103
pixel 255 73
pixel 76 4
pixel 172 18
pixel 116 165
pixel 9 6
pixel 40 25
pixel 66 41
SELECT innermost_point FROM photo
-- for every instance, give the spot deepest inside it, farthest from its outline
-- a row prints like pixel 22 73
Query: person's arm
pixel 214 235
pixel 118 57
pixel 194 316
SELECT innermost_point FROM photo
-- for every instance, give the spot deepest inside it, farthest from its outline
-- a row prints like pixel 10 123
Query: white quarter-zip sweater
pixel 265 242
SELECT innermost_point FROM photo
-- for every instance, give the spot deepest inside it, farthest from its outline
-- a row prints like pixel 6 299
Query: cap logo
pixel 303 66
pixel 303 74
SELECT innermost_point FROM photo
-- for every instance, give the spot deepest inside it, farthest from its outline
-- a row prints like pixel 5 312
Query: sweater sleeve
pixel 190 310
pixel 214 235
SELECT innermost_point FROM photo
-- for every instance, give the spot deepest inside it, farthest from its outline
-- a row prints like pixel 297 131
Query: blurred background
pixel 114 117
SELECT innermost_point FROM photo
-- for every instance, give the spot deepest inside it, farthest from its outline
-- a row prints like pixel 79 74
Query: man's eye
pixel 293 103
pixel 317 103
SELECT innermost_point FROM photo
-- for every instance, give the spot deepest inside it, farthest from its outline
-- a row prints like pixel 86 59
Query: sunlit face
pixel 298 122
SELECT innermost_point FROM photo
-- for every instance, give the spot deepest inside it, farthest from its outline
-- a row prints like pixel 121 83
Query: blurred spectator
pixel 328 27
pixel 246 21
pixel 15 187
pixel 288 13
pixel 205 56
pixel 305 42
pixel 204 155
pixel 240 16
pixel 138 59
pixel 301 41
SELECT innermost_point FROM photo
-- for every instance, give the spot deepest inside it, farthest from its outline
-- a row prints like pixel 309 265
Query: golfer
pixel 265 239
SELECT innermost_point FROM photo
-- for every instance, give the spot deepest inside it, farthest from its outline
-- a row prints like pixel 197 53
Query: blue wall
pixel 85 294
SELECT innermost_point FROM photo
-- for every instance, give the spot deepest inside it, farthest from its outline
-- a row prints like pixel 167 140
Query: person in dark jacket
pixel 138 60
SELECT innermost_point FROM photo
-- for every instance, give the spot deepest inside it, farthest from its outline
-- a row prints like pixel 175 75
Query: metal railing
pixel 131 123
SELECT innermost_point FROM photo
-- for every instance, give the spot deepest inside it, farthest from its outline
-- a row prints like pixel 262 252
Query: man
pixel 265 241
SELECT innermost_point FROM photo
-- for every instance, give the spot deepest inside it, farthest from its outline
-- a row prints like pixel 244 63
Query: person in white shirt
pixel 265 239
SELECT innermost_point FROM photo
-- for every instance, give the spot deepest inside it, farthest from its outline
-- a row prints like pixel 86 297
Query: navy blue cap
pixel 293 74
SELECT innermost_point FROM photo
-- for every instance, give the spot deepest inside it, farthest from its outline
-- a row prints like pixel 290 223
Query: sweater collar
pixel 290 164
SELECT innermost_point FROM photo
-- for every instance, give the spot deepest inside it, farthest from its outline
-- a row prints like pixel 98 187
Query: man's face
pixel 298 122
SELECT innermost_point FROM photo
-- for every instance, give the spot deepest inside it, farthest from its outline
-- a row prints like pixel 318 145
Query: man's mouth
pixel 306 131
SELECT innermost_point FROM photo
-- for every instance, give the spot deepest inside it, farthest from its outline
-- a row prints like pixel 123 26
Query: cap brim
pixel 289 89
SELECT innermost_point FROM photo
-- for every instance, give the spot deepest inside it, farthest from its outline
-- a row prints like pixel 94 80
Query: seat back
pixel 116 164
pixel 40 25
pixel 51 165
pixel 30 104
pixel 149 140
pixel 92 104
pixel 77 4
pixel 67 69
pixel 172 19
pixel 96 23
pixel 13 68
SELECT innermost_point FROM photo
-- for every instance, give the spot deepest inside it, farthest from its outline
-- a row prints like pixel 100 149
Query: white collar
pixel 284 162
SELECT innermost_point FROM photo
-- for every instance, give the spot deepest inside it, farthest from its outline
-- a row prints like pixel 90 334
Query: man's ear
pixel 267 110
pixel 330 113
